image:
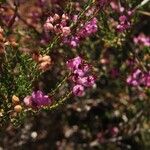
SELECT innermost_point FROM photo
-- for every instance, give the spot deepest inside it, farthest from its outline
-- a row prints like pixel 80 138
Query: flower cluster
pixel 44 62
pixel 139 78
pixel 124 19
pixel 124 23
pixel 88 29
pixel 72 41
pixel 16 103
pixel 37 99
pixel 85 30
pixel 58 25
pixel 142 39
pixel 80 75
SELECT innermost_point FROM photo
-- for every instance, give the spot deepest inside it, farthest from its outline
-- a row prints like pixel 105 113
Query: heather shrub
pixel 74 74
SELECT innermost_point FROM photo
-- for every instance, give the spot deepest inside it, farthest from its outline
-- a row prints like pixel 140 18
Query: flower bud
pixel 48 26
pixel 45 58
pixel 18 108
pixel 57 28
pixel 66 31
pixel 44 65
pixel 15 99
pixel 65 17
pixel 36 57
pixel 56 17
pixel 50 19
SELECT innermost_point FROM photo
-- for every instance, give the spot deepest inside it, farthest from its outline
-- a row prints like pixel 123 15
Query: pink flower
pixel 79 72
pixel 86 81
pixel 56 17
pixel 114 131
pixel 28 101
pixel 37 99
pixel 142 39
pixel 57 25
pixel 78 90
pixel 74 63
pixel 139 78
pixel 48 26
pixel 137 74
pixel 85 67
pixel 72 41
pixel 124 19
pixel 88 29
pixel 66 31
pixel 85 31
pixel 147 79
pixel 124 23
pixel 80 77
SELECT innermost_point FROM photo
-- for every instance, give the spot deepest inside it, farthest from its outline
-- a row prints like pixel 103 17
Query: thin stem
pixel 59 85
pixel 142 4
pixel 144 13
pixel 50 46
pixel 60 102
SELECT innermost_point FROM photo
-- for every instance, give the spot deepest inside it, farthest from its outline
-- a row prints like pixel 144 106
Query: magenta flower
pixel 79 72
pixel 133 79
pixel 114 131
pixel 88 81
pixel 74 63
pixel 37 99
pixel 139 78
pixel 137 74
pixel 85 67
pixel 85 31
pixel 124 19
pixel 80 77
pixel 78 90
pixel 88 29
pixel 147 79
pixel 124 23
pixel 72 41
pixel 142 39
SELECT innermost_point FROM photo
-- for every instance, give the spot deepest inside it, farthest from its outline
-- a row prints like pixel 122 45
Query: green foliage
pixel 20 70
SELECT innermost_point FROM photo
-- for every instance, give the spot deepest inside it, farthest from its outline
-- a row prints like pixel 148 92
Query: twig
pixel 59 85
pixel 142 4
pixel 12 21
pixel 144 12
pixel 60 102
